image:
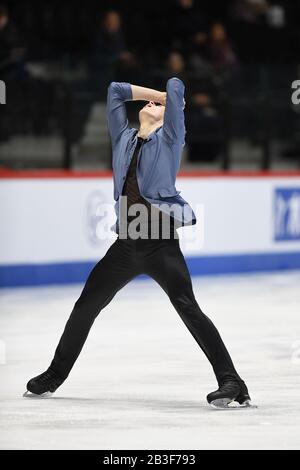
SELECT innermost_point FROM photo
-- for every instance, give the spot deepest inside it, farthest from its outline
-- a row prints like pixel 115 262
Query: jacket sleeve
pixel 117 119
pixel 174 125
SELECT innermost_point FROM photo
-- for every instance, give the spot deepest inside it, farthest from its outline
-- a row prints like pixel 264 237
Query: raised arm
pixel 147 94
pixel 174 127
pixel 117 120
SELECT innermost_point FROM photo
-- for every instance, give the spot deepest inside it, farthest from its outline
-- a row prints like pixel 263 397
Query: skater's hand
pixel 163 98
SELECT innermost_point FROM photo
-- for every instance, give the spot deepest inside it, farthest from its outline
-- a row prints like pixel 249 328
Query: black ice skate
pixel 44 385
pixel 230 391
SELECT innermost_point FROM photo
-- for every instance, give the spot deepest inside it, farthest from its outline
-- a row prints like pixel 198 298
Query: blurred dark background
pixel 237 58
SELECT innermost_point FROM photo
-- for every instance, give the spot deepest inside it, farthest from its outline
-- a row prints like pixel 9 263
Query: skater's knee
pixel 183 301
pixel 80 304
pixel 85 308
pixel 91 305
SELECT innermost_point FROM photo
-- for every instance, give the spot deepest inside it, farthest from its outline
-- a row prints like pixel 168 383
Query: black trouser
pixel 124 260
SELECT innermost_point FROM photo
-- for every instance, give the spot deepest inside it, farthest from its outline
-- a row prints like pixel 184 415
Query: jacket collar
pixel 150 136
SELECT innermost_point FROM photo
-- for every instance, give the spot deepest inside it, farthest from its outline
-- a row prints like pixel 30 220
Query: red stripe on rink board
pixel 52 174
pixel 70 174
pixel 239 174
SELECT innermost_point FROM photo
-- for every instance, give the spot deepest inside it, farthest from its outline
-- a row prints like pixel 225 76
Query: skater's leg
pixel 112 272
pixel 168 267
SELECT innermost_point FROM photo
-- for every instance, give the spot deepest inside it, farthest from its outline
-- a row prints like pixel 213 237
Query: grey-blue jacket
pixel 159 158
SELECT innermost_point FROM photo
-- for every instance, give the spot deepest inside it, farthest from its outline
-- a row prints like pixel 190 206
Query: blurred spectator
pixel 259 30
pixel 12 52
pixel 220 52
pixel 275 16
pixel 204 128
pixel 109 49
pixel 175 63
pixel 249 11
pixel 216 58
pixel 173 66
pixel 204 122
pixel 248 28
pixel 189 26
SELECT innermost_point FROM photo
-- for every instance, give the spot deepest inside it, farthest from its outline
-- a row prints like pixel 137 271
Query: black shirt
pixel 131 187
pixel 151 217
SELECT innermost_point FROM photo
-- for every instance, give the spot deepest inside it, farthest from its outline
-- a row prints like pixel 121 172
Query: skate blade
pixel 228 404
pixel 34 395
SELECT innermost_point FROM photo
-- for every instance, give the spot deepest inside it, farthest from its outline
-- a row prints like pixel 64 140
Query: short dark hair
pixel 3 10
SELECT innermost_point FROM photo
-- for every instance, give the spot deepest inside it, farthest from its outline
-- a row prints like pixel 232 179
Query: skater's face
pixel 152 111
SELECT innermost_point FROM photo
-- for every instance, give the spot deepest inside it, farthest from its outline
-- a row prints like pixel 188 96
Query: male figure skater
pixel 145 164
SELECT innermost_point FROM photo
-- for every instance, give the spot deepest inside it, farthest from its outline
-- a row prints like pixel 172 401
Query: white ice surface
pixel 141 380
